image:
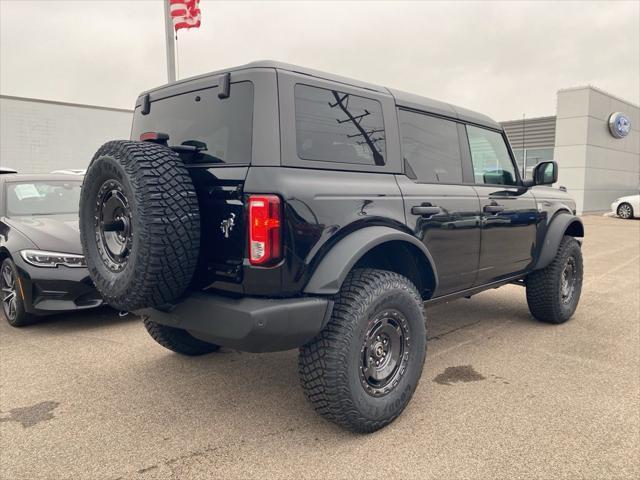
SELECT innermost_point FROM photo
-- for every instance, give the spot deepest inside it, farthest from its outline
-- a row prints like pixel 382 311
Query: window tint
pixel 334 126
pixel 490 157
pixel 221 127
pixel 431 147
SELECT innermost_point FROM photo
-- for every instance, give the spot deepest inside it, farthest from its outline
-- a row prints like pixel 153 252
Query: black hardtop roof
pixel 402 99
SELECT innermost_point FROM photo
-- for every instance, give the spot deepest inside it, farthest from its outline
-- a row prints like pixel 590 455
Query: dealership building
pixel 598 162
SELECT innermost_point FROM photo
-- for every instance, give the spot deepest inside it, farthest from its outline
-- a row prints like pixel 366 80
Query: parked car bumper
pixel 614 206
pixel 251 324
pixel 54 290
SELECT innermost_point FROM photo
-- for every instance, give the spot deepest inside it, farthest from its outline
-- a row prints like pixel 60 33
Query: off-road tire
pixel 625 211
pixel 544 291
pixel 165 224
pixel 330 365
pixel 20 317
pixel 178 340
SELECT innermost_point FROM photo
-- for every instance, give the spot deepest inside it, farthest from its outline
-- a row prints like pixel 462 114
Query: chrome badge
pixel 227 225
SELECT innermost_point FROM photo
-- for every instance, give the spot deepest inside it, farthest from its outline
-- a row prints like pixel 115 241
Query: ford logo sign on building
pixel 619 125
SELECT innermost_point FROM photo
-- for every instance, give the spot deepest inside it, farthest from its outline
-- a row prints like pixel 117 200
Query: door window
pixel 490 157
pixel 431 147
pixel 334 126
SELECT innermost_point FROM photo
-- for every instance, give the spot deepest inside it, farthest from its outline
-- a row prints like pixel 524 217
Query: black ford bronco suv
pixel 270 207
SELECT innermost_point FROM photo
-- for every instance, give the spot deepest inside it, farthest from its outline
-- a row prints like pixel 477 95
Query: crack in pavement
pixel 171 462
pixel 439 336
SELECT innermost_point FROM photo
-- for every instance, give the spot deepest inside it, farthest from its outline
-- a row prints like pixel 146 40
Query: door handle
pixel 425 211
pixel 493 209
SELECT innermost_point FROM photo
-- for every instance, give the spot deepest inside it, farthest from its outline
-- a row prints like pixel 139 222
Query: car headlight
pixel 39 258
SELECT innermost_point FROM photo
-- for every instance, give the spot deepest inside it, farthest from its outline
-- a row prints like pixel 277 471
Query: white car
pixel 627 207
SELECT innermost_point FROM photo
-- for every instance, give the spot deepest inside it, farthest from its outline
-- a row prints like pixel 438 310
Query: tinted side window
pixel 333 126
pixel 431 147
pixel 490 157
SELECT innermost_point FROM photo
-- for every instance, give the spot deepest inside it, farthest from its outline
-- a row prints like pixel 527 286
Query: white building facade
pixel 38 136
pixel 595 165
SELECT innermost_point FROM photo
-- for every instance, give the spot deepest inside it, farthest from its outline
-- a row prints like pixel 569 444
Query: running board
pixel 469 292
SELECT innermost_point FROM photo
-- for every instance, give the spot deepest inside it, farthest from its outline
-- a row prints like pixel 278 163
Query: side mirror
pixel 545 173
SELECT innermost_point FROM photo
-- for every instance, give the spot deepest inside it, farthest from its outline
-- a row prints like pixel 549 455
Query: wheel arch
pixel 561 224
pixel 4 253
pixel 374 247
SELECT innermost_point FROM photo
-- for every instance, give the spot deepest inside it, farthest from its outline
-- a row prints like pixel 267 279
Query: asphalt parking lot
pixel 92 396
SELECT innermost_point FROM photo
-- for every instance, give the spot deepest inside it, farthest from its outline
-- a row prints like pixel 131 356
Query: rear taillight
pixel 264 229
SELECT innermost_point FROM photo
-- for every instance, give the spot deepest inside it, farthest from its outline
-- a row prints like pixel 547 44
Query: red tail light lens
pixel 264 229
pixel 154 137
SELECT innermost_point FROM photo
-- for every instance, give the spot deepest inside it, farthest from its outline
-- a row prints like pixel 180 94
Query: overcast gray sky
pixel 501 58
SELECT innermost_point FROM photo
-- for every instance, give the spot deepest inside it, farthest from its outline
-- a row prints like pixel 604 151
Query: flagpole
pixel 171 51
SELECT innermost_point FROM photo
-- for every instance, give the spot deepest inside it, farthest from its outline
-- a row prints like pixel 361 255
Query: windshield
pixel 219 128
pixel 46 197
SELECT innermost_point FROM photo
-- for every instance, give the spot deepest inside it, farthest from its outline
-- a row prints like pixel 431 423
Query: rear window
pixel 222 127
pixel 333 126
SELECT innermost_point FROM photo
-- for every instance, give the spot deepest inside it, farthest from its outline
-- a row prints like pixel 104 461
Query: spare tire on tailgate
pixel 139 224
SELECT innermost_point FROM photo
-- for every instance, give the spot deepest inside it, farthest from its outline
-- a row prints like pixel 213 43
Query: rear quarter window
pixel 223 126
pixel 333 126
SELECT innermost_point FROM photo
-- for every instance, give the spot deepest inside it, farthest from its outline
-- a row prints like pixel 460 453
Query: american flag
pixel 185 13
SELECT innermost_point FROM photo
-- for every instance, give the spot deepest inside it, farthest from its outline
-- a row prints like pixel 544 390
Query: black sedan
pixel 42 268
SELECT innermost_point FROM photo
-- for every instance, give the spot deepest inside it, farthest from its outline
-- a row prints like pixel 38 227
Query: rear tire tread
pixel 178 340
pixel 320 362
pixel 168 225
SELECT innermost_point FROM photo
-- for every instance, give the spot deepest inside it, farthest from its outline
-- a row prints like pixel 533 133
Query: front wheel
pixel 12 303
pixel 362 369
pixel 554 291
pixel 625 211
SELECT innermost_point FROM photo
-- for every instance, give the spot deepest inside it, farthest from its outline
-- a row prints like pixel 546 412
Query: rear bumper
pixel 249 323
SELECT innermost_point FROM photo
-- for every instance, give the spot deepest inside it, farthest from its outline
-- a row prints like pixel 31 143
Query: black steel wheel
pixel 12 303
pixel 625 211
pixel 113 225
pixel 363 367
pixel 568 280
pixel 385 352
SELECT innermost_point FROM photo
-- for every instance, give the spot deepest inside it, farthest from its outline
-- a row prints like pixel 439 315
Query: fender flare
pixel 555 231
pixel 336 265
